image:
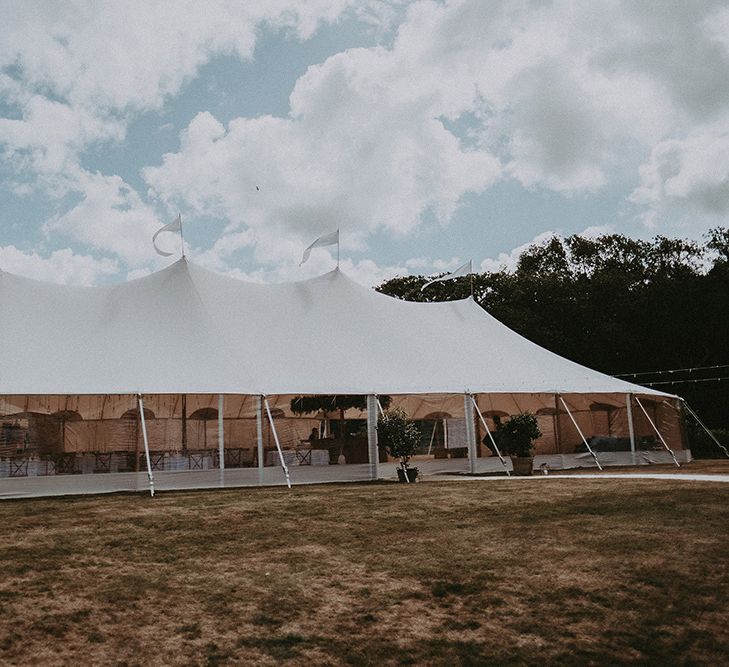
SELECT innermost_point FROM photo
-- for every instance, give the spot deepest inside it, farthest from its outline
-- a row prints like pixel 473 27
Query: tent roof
pixel 188 330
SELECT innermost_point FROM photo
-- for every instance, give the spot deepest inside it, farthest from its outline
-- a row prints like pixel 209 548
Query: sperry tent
pixel 86 354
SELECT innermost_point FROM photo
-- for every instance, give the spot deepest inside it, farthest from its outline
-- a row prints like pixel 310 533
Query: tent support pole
pixel 658 433
pixel 146 445
pixel 557 432
pixel 259 431
pixel 587 444
pixel 491 437
pixel 184 423
pixel 470 435
pixel 278 444
pixel 702 425
pixel 221 438
pixel 372 450
pixel 631 425
pixel 432 438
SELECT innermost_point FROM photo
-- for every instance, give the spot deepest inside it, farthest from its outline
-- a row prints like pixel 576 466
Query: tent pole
pixel 491 437
pixel 631 426
pixel 557 433
pixel 432 437
pixel 259 431
pixel 221 438
pixel 470 435
pixel 587 444
pixel 184 423
pixel 146 444
pixel 372 450
pixel 708 432
pixel 278 444
pixel 658 433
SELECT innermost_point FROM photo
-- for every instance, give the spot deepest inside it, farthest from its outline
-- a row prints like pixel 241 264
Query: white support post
pixel 278 444
pixel 432 438
pixel 259 431
pixel 658 433
pixel 631 426
pixel 221 438
pixel 146 445
pixel 470 432
pixel 587 444
pixel 706 428
pixel 491 437
pixel 372 450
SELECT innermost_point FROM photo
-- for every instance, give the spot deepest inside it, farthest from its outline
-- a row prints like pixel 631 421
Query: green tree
pixel 306 405
pixel 615 304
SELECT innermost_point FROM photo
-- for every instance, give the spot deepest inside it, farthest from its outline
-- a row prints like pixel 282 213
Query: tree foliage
pixel 398 435
pixel 517 434
pixel 615 304
pixel 326 403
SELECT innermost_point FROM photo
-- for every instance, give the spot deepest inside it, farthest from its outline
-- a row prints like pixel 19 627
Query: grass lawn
pixel 444 573
pixel 695 467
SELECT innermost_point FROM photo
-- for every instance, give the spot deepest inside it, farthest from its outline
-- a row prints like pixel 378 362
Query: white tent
pixel 188 331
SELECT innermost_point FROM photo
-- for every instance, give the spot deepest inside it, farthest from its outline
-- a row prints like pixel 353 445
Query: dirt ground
pixel 441 573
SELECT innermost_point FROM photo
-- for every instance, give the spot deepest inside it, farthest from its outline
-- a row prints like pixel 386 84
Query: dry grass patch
pixel 695 467
pixel 563 571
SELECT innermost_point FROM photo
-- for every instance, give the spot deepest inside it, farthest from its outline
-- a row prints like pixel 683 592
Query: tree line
pixel 616 304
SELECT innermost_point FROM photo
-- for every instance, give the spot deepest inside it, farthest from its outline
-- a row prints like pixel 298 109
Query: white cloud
pixel 111 217
pixel 78 72
pixel 508 261
pixel 562 95
pixel 565 94
pixel 691 172
pixel 349 156
pixel 61 266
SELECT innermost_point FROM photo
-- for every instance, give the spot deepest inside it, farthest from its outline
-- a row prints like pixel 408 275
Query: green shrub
pixel 517 435
pixel 397 435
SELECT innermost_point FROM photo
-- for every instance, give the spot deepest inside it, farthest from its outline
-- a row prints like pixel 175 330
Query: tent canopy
pixel 185 329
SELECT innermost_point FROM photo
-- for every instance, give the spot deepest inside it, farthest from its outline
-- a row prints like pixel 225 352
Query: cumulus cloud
pixel 110 217
pixel 61 266
pixel 563 96
pixel 557 96
pixel 76 74
pixel 507 261
pixel 691 173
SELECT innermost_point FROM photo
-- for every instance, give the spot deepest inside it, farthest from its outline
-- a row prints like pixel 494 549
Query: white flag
pixel 460 271
pixel 327 239
pixel 174 226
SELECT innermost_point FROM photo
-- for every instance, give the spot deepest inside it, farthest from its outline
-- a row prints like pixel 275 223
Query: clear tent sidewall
pixel 65 444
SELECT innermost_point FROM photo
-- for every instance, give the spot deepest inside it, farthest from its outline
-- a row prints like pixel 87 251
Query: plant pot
pixel 412 475
pixel 523 465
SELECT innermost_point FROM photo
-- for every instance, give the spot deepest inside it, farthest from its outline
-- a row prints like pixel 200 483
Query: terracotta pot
pixel 523 465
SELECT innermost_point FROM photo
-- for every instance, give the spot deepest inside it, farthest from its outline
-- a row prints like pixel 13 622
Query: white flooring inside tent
pixel 170 480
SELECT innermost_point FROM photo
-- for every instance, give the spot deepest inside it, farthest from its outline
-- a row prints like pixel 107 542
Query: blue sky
pixel 428 132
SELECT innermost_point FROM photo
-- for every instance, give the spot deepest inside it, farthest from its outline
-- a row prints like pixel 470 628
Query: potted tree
pixel 516 436
pixel 353 449
pixel 400 438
